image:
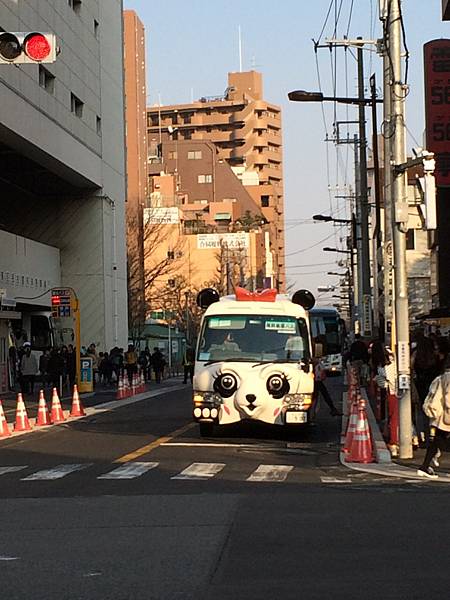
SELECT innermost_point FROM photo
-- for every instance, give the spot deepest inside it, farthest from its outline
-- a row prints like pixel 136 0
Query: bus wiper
pixel 269 361
pixel 216 360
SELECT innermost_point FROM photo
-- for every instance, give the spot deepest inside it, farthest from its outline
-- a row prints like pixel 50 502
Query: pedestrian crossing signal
pixel 27 48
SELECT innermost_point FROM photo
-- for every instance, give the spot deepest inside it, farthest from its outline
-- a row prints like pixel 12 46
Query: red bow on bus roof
pixel 268 295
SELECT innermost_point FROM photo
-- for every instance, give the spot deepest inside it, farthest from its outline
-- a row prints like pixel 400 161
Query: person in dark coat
pixel 158 363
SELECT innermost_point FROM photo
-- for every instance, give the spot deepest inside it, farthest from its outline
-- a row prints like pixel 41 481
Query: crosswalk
pixel 197 471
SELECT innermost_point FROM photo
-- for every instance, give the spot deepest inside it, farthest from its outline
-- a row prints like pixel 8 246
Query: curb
pixel 384 465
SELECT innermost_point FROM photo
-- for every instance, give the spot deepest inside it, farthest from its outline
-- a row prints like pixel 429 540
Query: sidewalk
pixel 400 469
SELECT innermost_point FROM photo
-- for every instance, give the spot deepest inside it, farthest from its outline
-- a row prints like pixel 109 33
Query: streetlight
pixel 303 96
pixel 328 219
pixel 363 213
pixel 326 249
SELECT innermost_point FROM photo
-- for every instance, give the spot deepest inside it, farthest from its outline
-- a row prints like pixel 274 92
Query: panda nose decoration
pixel 251 398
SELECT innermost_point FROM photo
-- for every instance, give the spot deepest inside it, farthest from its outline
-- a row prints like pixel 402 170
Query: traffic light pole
pixel 400 227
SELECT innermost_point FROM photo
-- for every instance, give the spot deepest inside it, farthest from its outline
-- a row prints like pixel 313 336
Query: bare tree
pixel 149 266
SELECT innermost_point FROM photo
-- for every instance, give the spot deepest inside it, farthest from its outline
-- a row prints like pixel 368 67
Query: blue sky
pixel 191 46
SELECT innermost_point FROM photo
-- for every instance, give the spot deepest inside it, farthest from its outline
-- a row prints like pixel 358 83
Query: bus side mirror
pixel 304 298
pixel 206 297
pixel 318 350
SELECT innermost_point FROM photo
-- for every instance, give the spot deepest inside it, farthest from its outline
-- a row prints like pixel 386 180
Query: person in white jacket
pixel 437 408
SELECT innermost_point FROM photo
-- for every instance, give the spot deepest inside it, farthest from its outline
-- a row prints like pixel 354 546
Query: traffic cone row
pixel 358 445
pixel 44 417
pixel 124 389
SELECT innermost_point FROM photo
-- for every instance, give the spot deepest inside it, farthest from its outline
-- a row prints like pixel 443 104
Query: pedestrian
pixel 130 362
pixel 425 368
pixel 158 363
pixel 437 408
pixel 143 363
pixel 321 388
pixel 43 367
pixel 55 369
pixel 188 364
pixel 92 353
pixel 105 369
pixel 148 356
pixel 116 360
pixel 358 356
pixel 71 365
pixel 29 368
pixel 384 370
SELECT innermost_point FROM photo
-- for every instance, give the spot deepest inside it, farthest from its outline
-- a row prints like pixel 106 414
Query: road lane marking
pixel 149 447
pixel 56 473
pixel 7 558
pixel 335 480
pixel 270 473
pixel 200 471
pixel 4 470
pixel 130 470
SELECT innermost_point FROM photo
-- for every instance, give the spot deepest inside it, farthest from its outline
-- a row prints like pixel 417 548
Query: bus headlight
pixel 298 400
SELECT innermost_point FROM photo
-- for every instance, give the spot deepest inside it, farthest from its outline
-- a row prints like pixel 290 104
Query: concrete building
pixel 204 215
pixel 246 131
pixel 136 154
pixel 62 167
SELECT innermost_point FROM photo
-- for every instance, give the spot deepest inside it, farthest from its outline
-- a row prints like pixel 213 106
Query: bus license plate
pixel 296 417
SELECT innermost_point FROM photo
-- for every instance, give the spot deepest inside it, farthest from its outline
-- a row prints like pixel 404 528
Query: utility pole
pixel 358 238
pixel 364 206
pixel 400 227
pixel 388 272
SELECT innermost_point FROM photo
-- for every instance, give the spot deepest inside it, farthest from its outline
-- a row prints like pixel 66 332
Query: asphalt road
pixel 132 504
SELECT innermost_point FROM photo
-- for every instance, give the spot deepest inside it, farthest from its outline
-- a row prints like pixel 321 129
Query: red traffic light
pixel 36 46
pixel 10 46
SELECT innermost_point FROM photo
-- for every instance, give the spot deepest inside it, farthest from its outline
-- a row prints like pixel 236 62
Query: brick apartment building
pixel 246 131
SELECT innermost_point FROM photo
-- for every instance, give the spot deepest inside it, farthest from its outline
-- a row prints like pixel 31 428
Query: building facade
pixel 246 130
pixel 136 161
pixel 62 166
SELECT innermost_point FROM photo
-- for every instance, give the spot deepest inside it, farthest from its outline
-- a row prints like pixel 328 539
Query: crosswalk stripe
pixel 56 473
pixel 130 470
pixel 270 473
pixel 200 471
pixel 4 470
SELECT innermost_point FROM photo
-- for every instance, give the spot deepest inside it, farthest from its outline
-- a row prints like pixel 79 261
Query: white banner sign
pixel 208 241
pixel 166 215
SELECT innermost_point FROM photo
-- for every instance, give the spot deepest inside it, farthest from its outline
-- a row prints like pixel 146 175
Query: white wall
pixel 28 269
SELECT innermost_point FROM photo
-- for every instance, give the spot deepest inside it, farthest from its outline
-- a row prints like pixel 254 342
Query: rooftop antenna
pixel 192 95
pixel 240 50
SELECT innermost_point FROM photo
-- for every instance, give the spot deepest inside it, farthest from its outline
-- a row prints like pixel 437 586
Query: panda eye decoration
pixel 277 386
pixel 225 384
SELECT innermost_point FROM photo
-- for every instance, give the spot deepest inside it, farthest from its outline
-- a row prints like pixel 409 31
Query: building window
pixel 264 201
pixel 76 106
pixel 187 134
pixel 204 179
pixel 410 240
pixel 154 120
pixel 98 125
pixel 186 119
pixel 195 155
pixel 46 80
pixel 172 155
pixel 75 5
pixel 96 26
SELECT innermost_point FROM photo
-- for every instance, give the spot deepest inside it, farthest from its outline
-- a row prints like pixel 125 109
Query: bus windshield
pixel 261 338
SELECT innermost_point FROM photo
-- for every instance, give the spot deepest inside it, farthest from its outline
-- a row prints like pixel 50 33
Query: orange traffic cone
pixel 120 389
pixel 57 411
pixel 361 447
pixel 126 386
pixel 77 408
pixel 351 427
pixel 43 416
pixel 4 427
pixel 22 423
pixel 142 381
pixel 133 385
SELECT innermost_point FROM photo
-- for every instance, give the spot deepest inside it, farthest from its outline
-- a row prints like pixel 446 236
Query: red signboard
pixel 437 106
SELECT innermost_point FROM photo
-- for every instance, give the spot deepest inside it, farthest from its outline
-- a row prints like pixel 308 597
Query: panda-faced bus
pixel 253 359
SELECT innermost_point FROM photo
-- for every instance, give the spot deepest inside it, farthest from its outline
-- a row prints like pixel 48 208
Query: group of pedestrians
pixel 54 367
pixel 430 391
pixel 119 362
